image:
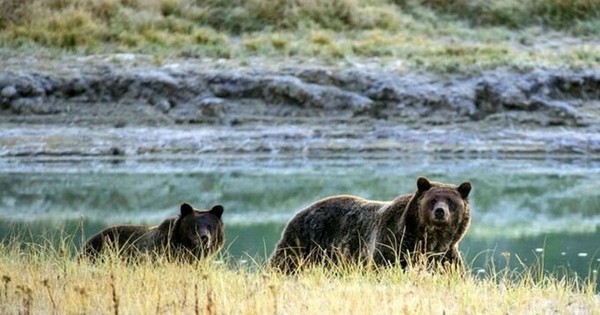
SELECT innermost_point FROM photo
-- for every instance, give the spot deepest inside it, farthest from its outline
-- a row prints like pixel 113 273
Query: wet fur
pixel 174 238
pixel 353 229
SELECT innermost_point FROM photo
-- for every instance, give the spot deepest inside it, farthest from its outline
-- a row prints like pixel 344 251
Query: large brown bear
pixel 192 235
pixel 431 221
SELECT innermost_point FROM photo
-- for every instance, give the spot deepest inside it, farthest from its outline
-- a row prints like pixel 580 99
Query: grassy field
pixel 437 35
pixel 46 279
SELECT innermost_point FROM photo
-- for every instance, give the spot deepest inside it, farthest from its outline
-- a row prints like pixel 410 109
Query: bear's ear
pixel 186 209
pixel 423 184
pixel 217 211
pixel 464 189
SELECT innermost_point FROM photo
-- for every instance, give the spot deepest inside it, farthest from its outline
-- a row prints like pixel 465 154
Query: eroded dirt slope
pixel 123 106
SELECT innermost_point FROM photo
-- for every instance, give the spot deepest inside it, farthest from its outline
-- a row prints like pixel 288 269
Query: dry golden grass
pixel 47 280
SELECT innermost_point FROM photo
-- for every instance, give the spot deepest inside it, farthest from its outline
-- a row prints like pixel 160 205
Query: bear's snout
pixel 204 235
pixel 439 213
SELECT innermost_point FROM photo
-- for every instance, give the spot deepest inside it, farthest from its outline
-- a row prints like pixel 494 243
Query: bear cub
pixel 428 223
pixel 192 235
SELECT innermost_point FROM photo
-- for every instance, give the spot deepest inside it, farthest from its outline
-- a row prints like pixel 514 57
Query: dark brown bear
pixel 192 235
pixel 432 221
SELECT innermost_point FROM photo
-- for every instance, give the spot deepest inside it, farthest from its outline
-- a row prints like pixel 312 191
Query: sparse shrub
pixel 374 43
pixel 323 44
pixel 225 16
pixel 134 4
pixel 171 8
pixel 74 28
pixel 175 25
pixel 254 44
pixel 156 37
pixel 586 28
pixel 321 38
pixel 384 18
pixel 563 13
pixel 13 11
pixel 513 13
pixel 58 4
pixel 104 9
pixel 207 36
pixel 256 15
pixel 279 41
pixel 131 40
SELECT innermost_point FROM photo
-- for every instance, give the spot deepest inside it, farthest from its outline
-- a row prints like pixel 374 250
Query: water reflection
pixel 529 208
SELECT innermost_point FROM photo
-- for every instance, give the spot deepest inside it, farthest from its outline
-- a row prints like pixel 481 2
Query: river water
pixel 535 209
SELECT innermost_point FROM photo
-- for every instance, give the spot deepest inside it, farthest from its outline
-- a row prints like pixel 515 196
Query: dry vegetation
pixel 434 34
pixel 48 280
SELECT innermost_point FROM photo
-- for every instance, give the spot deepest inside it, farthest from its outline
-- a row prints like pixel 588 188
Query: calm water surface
pixel 532 209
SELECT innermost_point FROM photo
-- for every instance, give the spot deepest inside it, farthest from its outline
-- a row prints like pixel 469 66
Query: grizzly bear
pixel 345 228
pixel 192 235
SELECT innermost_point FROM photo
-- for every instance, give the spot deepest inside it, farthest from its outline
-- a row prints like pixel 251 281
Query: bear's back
pixel 115 237
pixel 336 213
pixel 335 222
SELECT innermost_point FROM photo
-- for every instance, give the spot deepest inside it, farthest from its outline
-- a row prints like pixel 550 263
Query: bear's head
pixel 440 210
pixel 199 232
pixel 443 204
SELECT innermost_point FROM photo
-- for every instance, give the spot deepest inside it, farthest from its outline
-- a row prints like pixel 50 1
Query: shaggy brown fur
pixel 431 221
pixel 192 235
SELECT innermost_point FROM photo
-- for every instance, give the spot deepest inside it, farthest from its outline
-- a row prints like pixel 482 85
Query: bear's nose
pixel 439 213
pixel 204 238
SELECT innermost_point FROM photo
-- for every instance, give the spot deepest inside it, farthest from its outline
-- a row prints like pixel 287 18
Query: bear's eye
pixel 452 206
pixel 205 225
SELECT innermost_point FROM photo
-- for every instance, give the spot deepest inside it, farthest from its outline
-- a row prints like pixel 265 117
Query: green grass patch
pixel 514 13
pixel 439 35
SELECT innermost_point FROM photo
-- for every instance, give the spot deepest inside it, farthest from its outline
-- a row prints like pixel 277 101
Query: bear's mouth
pixel 439 221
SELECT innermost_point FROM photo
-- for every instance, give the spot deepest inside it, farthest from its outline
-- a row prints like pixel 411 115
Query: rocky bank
pixel 128 105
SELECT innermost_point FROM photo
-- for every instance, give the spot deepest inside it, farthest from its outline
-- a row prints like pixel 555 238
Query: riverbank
pixel 128 105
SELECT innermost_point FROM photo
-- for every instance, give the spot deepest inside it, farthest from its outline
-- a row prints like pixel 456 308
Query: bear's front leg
pixel 452 260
